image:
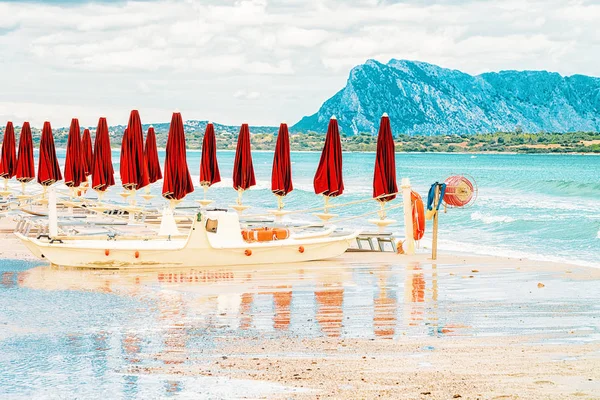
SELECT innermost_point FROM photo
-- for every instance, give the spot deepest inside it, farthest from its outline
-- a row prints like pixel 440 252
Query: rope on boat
pixel 329 206
pixel 337 221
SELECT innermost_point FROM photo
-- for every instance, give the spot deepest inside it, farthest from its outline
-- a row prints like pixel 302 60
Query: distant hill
pixel 422 98
pixel 194 131
pixel 425 99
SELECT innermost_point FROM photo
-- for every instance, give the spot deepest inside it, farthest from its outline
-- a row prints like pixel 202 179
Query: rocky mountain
pixel 422 98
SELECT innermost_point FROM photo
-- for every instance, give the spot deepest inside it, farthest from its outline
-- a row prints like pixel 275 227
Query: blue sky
pixel 260 61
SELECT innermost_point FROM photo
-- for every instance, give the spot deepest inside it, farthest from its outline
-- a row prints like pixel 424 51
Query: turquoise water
pixel 535 206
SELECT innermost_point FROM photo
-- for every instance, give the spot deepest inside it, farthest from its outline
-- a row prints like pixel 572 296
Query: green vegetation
pixel 577 142
pixel 517 142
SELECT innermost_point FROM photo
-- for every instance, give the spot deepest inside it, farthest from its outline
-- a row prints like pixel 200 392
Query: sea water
pixel 544 207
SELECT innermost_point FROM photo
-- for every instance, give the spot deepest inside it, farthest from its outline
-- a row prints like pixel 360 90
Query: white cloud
pixel 242 94
pixel 96 57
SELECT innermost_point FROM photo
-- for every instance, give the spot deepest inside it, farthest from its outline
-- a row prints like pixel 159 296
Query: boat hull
pixel 201 248
pixel 150 255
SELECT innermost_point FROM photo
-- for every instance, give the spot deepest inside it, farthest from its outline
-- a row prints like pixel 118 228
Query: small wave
pixel 491 219
pixel 499 251
pixel 562 188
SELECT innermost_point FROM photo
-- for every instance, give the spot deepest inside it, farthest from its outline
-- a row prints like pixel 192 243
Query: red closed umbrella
pixel 328 178
pixel 48 168
pixel 8 160
pixel 86 152
pixel 151 153
pixel 74 170
pixel 384 180
pixel 25 163
pixel 124 162
pixel 209 167
pixel 134 172
pixel 281 177
pixel 177 182
pixel 103 174
pixel 243 170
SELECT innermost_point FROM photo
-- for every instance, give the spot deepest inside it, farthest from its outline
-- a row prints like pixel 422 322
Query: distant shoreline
pixel 573 153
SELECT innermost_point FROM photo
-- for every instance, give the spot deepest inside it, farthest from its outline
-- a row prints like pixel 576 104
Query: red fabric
pixel 151 153
pixel 48 169
pixel 25 162
pixel 124 163
pixel 134 171
pixel 74 171
pixel 8 161
pixel 103 174
pixel 209 167
pixel 243 170
pixel 178 182
pixel 86 152
pixel 384 180
pixel 328 178
pixel 281 178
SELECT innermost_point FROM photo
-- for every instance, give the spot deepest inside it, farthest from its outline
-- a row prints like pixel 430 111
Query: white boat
pixel 214 239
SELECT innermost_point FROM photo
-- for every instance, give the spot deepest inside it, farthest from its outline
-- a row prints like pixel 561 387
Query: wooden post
pixel 409 242
pixel 435 223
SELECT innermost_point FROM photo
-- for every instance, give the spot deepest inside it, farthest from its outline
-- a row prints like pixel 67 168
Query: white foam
pixel 470 248
pixel 491 219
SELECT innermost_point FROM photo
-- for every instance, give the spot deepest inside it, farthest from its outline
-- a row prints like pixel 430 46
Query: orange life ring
pixel 265 234
pixel 418 215
pixel 281 233
pixel 248 235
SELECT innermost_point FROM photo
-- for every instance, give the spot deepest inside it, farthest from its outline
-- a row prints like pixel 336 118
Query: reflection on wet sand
pixel 329 310
pixel 384 319
pixel 239 298
pixel 282 300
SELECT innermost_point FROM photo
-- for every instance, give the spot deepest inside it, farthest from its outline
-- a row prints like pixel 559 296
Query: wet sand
pixel 366 325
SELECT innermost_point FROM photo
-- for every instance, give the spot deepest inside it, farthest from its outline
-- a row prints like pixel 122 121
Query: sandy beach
pixel 366 325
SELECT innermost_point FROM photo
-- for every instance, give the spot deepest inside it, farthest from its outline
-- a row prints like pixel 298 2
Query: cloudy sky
pixel 260 61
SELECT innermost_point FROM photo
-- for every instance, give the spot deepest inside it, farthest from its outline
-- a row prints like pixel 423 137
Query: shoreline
pixel 437 340
pixel 574 153
pixel 15 250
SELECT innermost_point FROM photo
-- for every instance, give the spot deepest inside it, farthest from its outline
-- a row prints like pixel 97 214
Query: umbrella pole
pixel 22 197
pixel 5 192
pixel 408 222
pixel 325 216
pixel 71 195
pixel 434 244
pixel 131 206
pixel 204 202
pixel 44 197
pixel 279 213
pixel 147 196
pixel 382 222
pixel 239 207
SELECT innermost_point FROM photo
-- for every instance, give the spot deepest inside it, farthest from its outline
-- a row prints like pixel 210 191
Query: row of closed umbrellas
pixel 140 166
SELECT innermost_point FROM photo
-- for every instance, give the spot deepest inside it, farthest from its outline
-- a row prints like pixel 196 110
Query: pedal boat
pixel 221 244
